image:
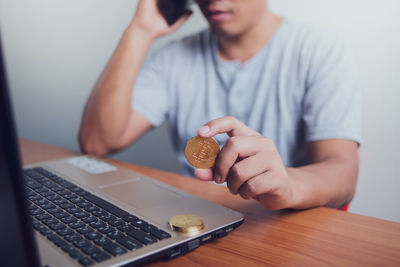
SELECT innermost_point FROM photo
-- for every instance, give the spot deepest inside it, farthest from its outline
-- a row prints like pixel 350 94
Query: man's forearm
pixel 331 183
pixel 108 108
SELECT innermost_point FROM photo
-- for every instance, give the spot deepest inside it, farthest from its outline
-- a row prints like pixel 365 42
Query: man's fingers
pixel 228 124
pixel 246 169
pixel 204 174
pixel 235 148
pixel 261 184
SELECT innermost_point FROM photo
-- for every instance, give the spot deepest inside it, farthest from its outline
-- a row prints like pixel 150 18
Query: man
pixel 285 95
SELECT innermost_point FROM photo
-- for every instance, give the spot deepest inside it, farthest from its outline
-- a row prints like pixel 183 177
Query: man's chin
pixel 222 30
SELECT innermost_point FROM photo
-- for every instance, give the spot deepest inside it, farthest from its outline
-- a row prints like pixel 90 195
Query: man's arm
pixel 108 122
pixel 252 167
pixel 332 177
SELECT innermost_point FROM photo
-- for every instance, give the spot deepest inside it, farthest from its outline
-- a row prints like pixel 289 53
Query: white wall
pixel 55 51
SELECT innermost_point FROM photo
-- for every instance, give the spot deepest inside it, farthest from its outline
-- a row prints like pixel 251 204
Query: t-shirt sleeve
pixel 150 96
pixel 332 107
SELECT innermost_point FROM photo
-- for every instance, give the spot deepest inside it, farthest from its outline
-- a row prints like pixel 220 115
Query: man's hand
pixel 149 19
pixel 250 164
pixel 252 167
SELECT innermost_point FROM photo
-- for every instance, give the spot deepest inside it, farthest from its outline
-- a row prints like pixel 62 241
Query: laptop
pixel 81 211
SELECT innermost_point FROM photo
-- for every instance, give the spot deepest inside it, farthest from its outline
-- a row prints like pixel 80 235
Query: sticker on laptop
pixel 91 165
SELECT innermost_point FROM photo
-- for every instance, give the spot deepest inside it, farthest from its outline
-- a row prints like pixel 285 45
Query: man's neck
pixel 246 45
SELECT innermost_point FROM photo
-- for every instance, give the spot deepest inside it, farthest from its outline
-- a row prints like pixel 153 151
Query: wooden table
pixel 316 237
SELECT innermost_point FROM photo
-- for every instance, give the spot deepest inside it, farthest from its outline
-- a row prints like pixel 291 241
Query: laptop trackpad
pixel 140 193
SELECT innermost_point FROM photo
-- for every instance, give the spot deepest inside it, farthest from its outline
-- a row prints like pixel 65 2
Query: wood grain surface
pixel 315 237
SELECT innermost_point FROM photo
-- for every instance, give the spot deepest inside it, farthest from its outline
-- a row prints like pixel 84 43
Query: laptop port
pixel 221 233
pixel 229 229
pixel 175 252
pixel 193 244
pixel 206 238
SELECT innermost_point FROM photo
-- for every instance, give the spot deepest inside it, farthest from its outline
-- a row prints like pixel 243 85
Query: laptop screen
pixel 17 245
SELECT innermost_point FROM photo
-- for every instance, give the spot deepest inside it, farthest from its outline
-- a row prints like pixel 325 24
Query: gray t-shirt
pixel 301 87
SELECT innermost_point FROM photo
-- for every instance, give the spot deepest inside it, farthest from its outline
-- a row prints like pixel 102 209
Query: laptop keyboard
pixel 86 227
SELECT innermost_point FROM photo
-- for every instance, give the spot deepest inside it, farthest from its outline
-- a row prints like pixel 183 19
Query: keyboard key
pixel 76 254
pixel 33 185
pixel 32 206
pixel 99 212
pixel 74 210
pixel 41 190
pixel 90 249
pixel 97 224
pixel 160 234
pixel 82 192
pixel 66 205
pixel 63 191
pixel 77 224
pixel 114 249
pixel 129 218
pixel 68 219
pixel 115 234
pixel 83 204
pixel 60 201
pixel 86 261
pixel 41 201
pixel 34 196
pixel 50 221
pixel 100 256
pixel 54 210
pixel 36 224
pixel 65 231
pixel 91 208
pixel 148 227
pixel 61 215
pixel 66 184
pixel 73 237
pixel 129 243
pixel 106 229
pixel 42 217
pixel 81 243
pixel 139 223
pixel 116 222
pixel 102 241
pixel 60 243
pixel 107 217
pixel 48 206
pixel 67 248
pixel 106 205
pixel 76 200
pixel 68 195
pixel 84 230
pixel 54 197
pixel 36 212
pixel 48 193
pixel 81 214
pixel 52 237
pixel 45 231
pixel 125 227
pixel 89 219
pixel 57 226
pixel 93 235
pixel 142 236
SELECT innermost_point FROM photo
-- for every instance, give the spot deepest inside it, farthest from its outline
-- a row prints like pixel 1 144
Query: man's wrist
pixel 297 190
pixel 135 31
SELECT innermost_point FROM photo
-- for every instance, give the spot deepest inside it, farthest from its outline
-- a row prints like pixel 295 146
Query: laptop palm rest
pixel 139 193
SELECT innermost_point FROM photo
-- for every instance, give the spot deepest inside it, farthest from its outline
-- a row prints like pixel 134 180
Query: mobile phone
pixel 172 10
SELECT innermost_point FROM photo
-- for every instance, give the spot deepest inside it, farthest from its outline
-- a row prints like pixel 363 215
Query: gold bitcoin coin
pixel 201 152
pixel 186 223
